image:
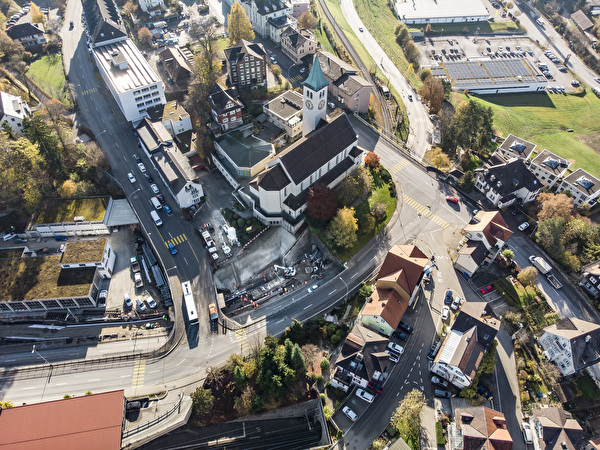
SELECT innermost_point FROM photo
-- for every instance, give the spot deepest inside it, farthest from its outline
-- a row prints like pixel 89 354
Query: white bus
pixel 188 299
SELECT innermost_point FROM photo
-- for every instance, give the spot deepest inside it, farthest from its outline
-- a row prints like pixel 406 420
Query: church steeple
pixel 315 98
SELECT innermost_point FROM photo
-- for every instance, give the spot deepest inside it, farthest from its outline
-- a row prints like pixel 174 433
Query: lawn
pixel 48 73
pixel 544 120
pixel 65 210
pixel 587 387
pixel 466 28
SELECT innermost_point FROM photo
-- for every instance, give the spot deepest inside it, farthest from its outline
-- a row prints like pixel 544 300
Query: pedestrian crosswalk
pixel 399 166
pixel 139 370
pixel 296 78
pixel 177 240
pixel 90 91
pixel 241 338
pixel 425 211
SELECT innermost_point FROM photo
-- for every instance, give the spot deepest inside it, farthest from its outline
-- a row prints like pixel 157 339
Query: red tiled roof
pixel 405 264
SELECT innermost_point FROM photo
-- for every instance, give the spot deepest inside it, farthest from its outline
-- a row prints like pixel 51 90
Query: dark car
pixel 137 158
pixel 71 25
pixel 161 198
pixel 484 392
pixel 406 327
pixel 442 394
pixel 376 387
pixel 61 238
pixel 401 336
pixel 148 178
pixel 432 352
pixel 448 297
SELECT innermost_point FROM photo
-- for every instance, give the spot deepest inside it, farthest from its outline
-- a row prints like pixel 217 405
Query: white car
pixel 303 70
pixel 523 226
pixel 361 393
pixel 142 167
pixel 349 413
pixel 445 312
pixel 527 436
pixel 456 303
pixel 151 302
pixel 154 188
pixel 141 305
pixel 395 348
pixel 127 301
pixel 131 178
pixel 393 356
pixel 312 288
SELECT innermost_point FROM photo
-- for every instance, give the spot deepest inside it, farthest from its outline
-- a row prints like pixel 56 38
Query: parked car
pixel 161 198
pixel 9 236
pixel 349 413
pixel 442 394
pixel 484 392
pixel 432 352
pixel 523 226
pixel 154 188
pixel 137 158
pixel 406 327
pixel 127 301
pixel 452 199
pixel 527 436
pixel 364 395
pixel 456 303
pixel 439 381
pixel 376 387
pixel 445 312
pixel 131 178
pixel 61 238
pixel 20 240
pixel 303 70
pixel 142 167
pixel 172 249
pixel 140 305
pixel 487 289
pixel 399 335
pixel 448 297
pixel 148 178
pixel 394 357
pixel 395 348
pixel 167 210
pixel 151 302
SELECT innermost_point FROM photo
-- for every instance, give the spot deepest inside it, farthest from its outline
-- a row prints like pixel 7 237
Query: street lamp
pixel 290 68
pixel 346 297
pixel 33 350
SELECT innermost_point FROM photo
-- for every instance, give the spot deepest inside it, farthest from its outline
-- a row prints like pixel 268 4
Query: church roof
pixel 316 80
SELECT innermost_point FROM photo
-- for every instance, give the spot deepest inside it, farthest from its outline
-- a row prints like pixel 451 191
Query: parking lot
pixel 469 48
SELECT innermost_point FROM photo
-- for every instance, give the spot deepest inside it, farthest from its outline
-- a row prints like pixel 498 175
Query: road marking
pixel 279 321
pixel 425 211
pixel 154 371
pixel 139 371
pixel 29 388
pixel 306 307
pixel 125 376
pixel 332 292
pixel 176 240
pixel 95 379
pixel 354 275
pixel 61 384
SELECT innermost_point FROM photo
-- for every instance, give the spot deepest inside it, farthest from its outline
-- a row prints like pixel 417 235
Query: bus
pixel 188 299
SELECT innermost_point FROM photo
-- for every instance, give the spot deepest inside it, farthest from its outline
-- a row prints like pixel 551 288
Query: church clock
pixel 309 104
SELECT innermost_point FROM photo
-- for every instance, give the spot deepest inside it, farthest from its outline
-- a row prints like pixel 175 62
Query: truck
pixel 553 281
pixel 212 309
pixel 135 265
pixel 540 263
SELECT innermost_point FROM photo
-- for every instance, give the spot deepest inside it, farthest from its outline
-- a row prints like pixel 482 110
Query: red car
pixel 452 199
pixel 376 387
pixel 485 290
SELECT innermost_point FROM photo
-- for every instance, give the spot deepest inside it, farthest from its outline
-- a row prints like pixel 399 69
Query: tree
pixel 432 92
pixel 321 203
pixel 144 35
pixel 412 55
pixel 372 161
pixel 355 187
pixel 129 7
pixel 379 211
pixel 37 16
pixel 307 21
pixel 424 74
pixel 239 25
pixel 427 29
pixel 488 362
pixel 342 229
pixel 407 416
pixel 402 34
pixel 528 276
pixel 39 133
pixel 549 235
pixel 202 403
pixel 297 362
pixel 239 377
pixel 8 47
pixel 470 128
pixel 508 254
pixel 467 181
pixel 554 206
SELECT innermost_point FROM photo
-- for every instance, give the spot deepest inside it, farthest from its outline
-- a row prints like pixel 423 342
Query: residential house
pixel 285 111
pixel 590 279
pixel 242 153
pixel 485 237
pixel 13 110
pixel 177 65
pixel 260 11
pixel 515 147
pixel 572 344
pixel 548 168
pixel 299 7
pixel 175 118
pixel 361 360
pixel 149 5
pixel 93 422
pixel 297 44
pixel 28 34
pixel 584 187
pixel 465 345
pixel 482 428
pixel 555 429
pixel 505 183
pixel 278 25
pixel 247 64
pixel 153 135
pixel 125 71
pixel 326 154
pixel 225 107
pixel 398 284
pixel 346 86
pixel 582 21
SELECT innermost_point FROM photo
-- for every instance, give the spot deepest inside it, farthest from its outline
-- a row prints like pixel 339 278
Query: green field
pixel 544 120
pixel 48 73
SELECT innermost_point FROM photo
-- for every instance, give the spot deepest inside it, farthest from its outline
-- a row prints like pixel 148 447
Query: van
pixel 156 219
pixel 156 203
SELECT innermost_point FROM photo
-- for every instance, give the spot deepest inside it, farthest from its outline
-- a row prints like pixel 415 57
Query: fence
pixel 150 423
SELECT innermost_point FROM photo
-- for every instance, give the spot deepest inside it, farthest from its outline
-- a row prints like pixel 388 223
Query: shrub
pixel 439 434
pixel 319 379
pixel 324 364
pixel 385 175
pixel 335 339
pixel 322 396
pixel 240 222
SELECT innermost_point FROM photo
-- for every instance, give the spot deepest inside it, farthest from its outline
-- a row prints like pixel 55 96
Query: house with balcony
pixel 30 35
pixel 505 183
pixel 548 168
pixel 13 110
pixel 479 427
pixel 246 64
pixel 398 285
pixel 554 428
pixel 225 107
pixel 465 345
pixel 584 188
pixel 177 64
pixel 285 111
pixel 361 360
pixel 590 279
pixel 515 147
pixel 261 12
pixel 484 238
pixel 572 344
pixel 297 44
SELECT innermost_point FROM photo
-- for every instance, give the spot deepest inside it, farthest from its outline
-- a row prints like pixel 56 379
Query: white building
pixel 515 147
pixel 548 168
pixel 261 11
pixel 13 110
pixel 149 5
pixel 285 111
pixel 584 187
pixel 173 116
pixel 421 12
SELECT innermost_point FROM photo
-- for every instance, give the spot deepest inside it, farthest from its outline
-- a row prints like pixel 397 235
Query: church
pixel 326 153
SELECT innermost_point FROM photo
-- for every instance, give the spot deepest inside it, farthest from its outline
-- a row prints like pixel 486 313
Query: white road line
pixel 180 362
pixel 61 384
pixel 332 292
pixel 306 307
pixel 29 388
pixel 415 382
pixel 154 371
pixel 95 379
pixel 186 263
pixel 354 275
pixel 125 376
pixel 9 360
pixel 279 321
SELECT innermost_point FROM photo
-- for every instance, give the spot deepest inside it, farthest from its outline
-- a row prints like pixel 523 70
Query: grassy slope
pixel 48 72
pixel 543 119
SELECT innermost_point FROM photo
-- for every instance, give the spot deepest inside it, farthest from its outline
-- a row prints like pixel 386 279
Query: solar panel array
pixel 492 72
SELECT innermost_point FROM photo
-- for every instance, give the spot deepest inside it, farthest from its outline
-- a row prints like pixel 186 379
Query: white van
pixel 156 203
pixel 156 219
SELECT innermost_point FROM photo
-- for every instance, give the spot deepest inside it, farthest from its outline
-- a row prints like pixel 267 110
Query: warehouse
pixel 421 12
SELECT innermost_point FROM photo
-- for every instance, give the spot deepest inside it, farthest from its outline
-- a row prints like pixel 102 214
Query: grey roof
pixel 509 177
pixel 175 167
pixel 584 182
pixel 286 105
pixel 244 149
pixel 332 66
pixel 550 162
pixel 103 20
pixel 297 37
pixel 265 7
pixel 363 353
pixel 274 179
pixel 244 47
pixel 480 315
pixel 219 98
pixel 317 148
pixel 315 80
pixel 581 20
pixel 350 84
pixel 153 134
pixel 558 427
pixel 517 146
pixel 22 30
pixel 476 250
pixel 120 214
pixel 584 337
